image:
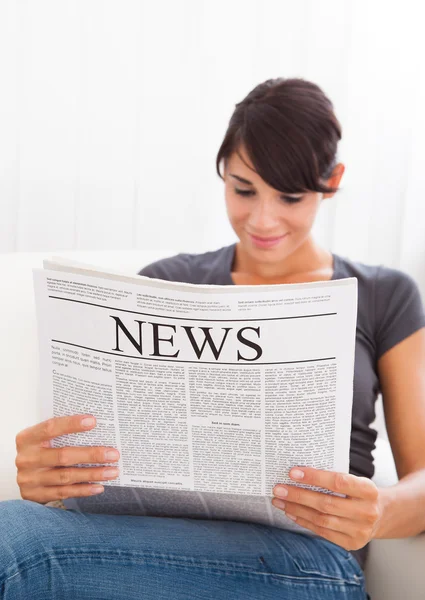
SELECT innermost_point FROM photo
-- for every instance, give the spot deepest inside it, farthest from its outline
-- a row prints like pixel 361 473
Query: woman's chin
pixel 269 255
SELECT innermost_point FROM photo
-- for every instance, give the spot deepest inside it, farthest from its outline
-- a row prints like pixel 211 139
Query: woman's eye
pixel 292 199
pixel 287 199
pixel 244 192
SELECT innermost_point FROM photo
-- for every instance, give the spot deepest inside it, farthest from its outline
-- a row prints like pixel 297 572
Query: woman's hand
pixel 350 522
pixel 39 477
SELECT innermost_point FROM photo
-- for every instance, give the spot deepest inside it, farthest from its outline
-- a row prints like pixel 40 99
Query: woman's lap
pixel 47 553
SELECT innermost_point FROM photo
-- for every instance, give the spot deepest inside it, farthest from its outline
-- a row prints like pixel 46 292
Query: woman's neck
pixel 307 263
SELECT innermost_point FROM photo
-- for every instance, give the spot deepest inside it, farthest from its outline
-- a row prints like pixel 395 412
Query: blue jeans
pixel 47 553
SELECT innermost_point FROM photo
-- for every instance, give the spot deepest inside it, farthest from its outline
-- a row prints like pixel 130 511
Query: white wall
pixel 112 112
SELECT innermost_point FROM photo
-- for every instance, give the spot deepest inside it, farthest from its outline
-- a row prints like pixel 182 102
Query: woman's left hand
pixel 350 522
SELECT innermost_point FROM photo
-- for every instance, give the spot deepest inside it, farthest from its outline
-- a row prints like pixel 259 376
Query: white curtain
pixel 112 112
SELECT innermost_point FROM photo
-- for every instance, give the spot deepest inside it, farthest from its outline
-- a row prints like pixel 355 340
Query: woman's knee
pixel 16 514
pixel 20 524
pixel 10 508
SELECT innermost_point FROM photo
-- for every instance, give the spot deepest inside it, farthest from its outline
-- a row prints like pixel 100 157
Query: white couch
pixel 395 568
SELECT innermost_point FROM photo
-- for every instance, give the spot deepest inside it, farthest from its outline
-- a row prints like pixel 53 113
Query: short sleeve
pixel 152 270
pixel 399 309
pixel 174 268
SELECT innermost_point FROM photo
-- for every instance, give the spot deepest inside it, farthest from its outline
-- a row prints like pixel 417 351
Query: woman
pixel 279 157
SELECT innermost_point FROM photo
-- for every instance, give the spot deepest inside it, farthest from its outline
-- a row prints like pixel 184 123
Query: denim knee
pixel 19 522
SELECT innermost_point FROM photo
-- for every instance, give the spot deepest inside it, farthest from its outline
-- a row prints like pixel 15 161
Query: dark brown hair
pixel 290 132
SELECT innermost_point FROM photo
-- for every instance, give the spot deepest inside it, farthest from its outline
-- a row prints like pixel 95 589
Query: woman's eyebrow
pixel 241 179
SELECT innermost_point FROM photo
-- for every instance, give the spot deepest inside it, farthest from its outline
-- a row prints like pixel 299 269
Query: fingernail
pixel 112 455
pixel 87 422
pixel 110 473
pixel 297 474
pixel 291 517
pixel 278 504
pixel 281 491
pixel 96 489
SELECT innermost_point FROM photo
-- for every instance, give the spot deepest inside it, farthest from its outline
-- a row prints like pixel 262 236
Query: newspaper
pixel 211 393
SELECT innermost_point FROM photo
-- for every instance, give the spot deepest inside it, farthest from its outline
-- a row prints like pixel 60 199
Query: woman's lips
pixel 262 242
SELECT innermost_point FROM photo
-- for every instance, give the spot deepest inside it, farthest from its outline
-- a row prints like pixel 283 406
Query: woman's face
pixel 269 224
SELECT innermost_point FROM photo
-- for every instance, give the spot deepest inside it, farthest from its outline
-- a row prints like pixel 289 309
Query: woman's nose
pixel 263 216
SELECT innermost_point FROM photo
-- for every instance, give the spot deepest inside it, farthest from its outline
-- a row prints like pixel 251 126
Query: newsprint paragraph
pixel 211 393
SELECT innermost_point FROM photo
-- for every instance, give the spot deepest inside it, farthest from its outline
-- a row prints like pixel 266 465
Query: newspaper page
pixel 210 393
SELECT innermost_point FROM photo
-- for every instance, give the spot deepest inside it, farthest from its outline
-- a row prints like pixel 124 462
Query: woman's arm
pixel 402 375
pixel 368 512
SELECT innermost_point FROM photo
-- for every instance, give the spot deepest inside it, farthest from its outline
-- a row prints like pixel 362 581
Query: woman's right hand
pixel 39 477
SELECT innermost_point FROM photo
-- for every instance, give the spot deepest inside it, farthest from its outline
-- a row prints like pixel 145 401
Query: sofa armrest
pixel 395 567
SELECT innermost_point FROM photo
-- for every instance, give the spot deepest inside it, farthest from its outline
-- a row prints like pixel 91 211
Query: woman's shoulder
pixel 207 267
pixel 389 298
pixel 382 278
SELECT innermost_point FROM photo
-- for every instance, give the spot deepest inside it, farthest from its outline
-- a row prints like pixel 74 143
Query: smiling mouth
pixel 268 242
pixel 267 239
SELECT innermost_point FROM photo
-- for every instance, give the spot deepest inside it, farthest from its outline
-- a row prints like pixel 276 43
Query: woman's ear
pixel 334 179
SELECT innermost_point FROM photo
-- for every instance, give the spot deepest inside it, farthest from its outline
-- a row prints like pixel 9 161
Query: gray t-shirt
pixel 389 309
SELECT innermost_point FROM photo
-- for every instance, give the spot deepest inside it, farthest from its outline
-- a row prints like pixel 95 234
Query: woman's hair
pixel 290 132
